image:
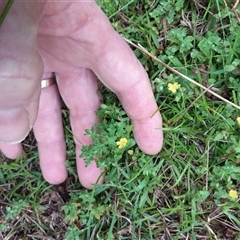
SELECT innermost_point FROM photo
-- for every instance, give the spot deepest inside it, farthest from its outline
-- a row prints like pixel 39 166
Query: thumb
pixel 19 93
pixel 21 69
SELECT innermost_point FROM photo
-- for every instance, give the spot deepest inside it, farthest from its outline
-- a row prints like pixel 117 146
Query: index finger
pixel 118 68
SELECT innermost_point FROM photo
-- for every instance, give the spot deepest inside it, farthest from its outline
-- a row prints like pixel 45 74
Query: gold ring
pixel 48 82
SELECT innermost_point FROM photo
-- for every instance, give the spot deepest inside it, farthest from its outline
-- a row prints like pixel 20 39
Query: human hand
pixel 73 40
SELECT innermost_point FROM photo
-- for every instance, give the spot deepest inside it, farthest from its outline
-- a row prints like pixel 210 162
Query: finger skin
pixel 48 130
pixel 79 91
pixel 11 151
pixel 21 68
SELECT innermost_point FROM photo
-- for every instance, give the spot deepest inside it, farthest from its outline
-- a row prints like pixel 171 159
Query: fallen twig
pixel 142 49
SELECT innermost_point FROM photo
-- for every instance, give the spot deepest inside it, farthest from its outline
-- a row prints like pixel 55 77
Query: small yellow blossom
pixel 130 152
pixel 238 120
pixel 233 194
pixel 173 87
pixel 122 143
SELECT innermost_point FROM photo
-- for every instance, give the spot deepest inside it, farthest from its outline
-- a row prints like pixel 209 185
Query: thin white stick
pixel 180 74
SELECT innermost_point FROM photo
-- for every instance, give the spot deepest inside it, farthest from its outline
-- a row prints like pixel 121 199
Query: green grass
pixel 182 192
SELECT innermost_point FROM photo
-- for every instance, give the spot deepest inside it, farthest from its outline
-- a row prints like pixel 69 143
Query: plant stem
pixel 5 11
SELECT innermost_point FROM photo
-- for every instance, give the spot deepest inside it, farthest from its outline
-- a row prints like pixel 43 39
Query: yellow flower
pixel 173 87
pixel 238 120
pixel 122 143
pixel 233 194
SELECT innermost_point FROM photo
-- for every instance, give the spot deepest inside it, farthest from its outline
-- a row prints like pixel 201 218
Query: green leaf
pixel 229 68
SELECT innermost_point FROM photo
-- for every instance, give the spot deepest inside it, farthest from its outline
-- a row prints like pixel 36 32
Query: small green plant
pixel 223 179
pixel 166 9
pixel 112 137
pixel 15 209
